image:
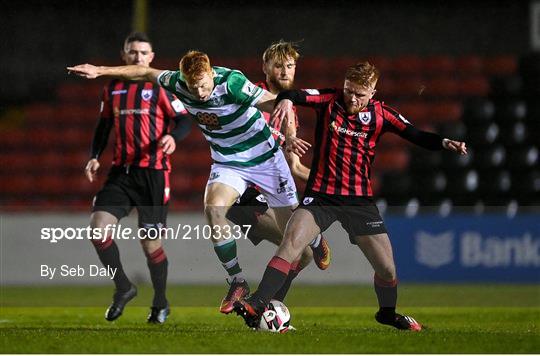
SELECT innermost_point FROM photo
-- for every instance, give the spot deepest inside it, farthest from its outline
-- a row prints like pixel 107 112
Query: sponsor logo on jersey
pixel 118 92
pixel 146 94
pixel 342 130
pixel 307 200
pixel 214 175
pixel 364 117
pixel 434 250
pixel 249 88
pixel 134 111
pixel 216 101
pixel 210 120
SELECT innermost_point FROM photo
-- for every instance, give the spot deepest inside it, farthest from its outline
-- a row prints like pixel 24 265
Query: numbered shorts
pixel 246 211
pixel 273 178
pixel 142 188
pixel 359 216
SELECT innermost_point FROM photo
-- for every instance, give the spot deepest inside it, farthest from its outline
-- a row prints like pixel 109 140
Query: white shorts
pixel 272 177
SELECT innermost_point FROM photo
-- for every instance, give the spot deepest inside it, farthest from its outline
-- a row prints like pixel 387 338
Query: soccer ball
pixel 276 318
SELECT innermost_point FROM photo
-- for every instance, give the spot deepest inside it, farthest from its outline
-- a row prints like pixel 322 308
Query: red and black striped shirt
pixel 141 114
pixel 345 144
pixel 275 125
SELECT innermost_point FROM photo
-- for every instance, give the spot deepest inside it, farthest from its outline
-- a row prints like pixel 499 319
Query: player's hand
pixel 91 169
pixel 297 145
pixel 456 146
pixel 280 111
pixel 87 71
pixel 168 144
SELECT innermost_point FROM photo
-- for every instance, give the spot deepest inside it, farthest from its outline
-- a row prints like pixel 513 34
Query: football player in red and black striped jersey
pixel 251 209
pixel 349 125
pixel 142 115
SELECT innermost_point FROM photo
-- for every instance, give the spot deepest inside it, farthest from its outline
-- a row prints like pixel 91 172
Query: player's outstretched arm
pixel 266 102
pixel 130 72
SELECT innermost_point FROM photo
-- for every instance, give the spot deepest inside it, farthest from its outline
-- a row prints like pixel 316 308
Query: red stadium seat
pixel 446 111
pixel 501 65
pixel 439 65
pixel 414 111
pixel 408 64
pixel 474 86
pixel 410 86
pixel 468 65
pixel 442 86
pixel 392 160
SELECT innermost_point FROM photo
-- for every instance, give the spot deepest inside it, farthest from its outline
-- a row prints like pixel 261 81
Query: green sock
pixel 226 252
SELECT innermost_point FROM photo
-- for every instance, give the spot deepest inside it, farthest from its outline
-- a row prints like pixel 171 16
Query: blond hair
pixel 362 73
pixel 280 51
pixel 194 64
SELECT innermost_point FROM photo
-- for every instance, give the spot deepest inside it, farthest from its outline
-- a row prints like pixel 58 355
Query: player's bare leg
pixel 378 251
pixel 301 230
pixel 158 263
pixel 218 198
pixel 109 256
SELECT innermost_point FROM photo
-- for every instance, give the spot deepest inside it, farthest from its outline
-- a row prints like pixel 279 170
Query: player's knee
pixel 387 273
pixel 149 246
pixel 214 213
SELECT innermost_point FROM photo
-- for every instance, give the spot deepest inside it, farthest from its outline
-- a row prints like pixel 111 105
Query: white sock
pixel 316 241
pixel 238 276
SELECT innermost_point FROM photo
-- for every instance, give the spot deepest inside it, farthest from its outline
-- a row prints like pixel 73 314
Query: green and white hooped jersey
pixel 236 131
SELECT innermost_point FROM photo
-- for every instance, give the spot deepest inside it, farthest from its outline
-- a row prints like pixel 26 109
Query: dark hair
pixel 137 37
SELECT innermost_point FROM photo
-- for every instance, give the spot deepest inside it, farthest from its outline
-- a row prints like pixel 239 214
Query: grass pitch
pixel 329 319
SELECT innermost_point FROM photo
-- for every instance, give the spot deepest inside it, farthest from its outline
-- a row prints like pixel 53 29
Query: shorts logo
pixel 374 224
pixel 284 187
pixel 261 198
pixel 307 200
pixel 146 94
pixel 214 175
pixel 209 120
pixel 364 117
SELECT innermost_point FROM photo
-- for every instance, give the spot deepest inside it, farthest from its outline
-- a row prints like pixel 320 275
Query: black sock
pixel 282 293
pixel 158 265
pixel 386 294
pixel 273 279
pixel 110 257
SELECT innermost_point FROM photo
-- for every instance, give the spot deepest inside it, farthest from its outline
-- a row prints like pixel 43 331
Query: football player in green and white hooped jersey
pixel 227 107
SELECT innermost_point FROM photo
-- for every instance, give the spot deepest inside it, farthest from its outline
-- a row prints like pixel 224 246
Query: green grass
pixel 330 319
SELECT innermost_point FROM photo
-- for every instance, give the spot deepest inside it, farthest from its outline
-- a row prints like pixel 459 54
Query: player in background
pixel 227 107
pixel 349 125
pixel 141 114
pixel 279 67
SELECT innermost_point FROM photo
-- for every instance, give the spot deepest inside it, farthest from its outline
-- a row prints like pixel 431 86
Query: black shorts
pixel 246 211
pixel 143 188
pixel 359 216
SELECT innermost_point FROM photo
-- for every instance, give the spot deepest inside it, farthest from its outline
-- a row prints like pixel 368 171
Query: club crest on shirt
pixel 146 94
pixel 364 117
pixel 307 200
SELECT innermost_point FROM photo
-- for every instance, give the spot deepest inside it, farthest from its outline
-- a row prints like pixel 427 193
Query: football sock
pixel 386 292
pixel 273 279
pixel 294 271
pixel 110 257
pixel 158 264
pixel 316 241
pixel 226 252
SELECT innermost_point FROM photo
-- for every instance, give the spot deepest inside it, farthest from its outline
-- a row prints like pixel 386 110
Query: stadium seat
pixel 507 86
pixel 490 157
pixel 469 65
pixel 473 86
pixel 523 158
pixel 437 65
pixel 483 134
pixel 407 64
pixel 501 65
pixel 395 159
pixel 509 111
pixel 446 111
